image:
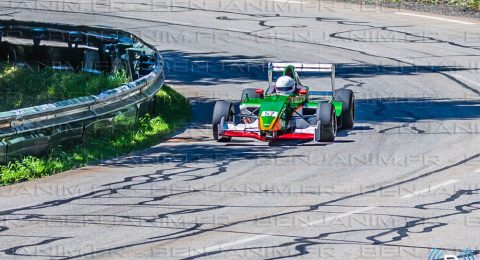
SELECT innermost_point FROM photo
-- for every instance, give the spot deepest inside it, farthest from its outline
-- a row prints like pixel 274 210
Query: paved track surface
pixel 403 181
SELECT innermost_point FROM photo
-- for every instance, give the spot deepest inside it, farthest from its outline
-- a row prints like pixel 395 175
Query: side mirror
pixel 302 92
pixel 259 91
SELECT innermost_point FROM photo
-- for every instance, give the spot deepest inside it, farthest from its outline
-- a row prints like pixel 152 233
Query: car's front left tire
pixel 222 109
pixel 328 123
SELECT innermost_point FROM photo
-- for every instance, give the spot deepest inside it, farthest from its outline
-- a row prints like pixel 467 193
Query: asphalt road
pixel 405 180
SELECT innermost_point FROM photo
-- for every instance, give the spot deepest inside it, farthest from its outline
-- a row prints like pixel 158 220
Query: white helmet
pixel 285 84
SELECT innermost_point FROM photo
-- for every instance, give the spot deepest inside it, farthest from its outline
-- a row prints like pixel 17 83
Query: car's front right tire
pixel 348 107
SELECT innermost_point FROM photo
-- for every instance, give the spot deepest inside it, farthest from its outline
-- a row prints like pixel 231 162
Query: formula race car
pixel 274 114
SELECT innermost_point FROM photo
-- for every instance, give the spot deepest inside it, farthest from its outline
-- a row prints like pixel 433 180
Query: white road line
pixel 224 246
pixel 432 188
pixel 238 242
pixel 435 18
pixel 325 220
pixel 477 171
pixel 289 1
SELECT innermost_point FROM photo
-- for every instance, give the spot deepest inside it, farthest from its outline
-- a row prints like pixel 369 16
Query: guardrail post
pixel 74 38
pixel 137 115
pixel 38 35
pixel 4 157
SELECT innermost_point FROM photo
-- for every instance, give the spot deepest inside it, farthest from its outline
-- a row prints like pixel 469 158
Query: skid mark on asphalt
pixel 413 128
pixel 390 128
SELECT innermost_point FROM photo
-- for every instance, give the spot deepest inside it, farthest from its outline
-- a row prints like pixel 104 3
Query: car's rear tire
pixel 251 93
pixel 223 109
pixel 348 108
pixel 328 122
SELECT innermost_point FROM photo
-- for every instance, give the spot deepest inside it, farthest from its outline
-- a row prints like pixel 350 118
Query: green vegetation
pixel 174 112
pixel 24 87
pixel 473 5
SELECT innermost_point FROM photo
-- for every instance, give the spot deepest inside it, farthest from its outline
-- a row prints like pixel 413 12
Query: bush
pixel 25 87
pixel 175 112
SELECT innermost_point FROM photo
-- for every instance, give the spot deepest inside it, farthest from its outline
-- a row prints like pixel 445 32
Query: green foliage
pixel 176 112
pixel 467 4
pixel 473 4
pixel 25 87
pixel 168 100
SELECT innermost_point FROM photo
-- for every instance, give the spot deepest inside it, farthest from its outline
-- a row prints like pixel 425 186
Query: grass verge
pixel 468 4
pixel 455 7
pixel 25 86
pixel 174 112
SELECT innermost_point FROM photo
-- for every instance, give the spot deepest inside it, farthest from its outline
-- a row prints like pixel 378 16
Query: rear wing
pixel 303 67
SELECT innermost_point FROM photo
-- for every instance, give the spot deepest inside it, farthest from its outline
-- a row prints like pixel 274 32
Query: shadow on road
pixel 214 68
pixel 185 153
pixel 409 110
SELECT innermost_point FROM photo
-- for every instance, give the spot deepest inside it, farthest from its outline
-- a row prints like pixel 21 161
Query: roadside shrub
pixel 150 131
pixel 25 87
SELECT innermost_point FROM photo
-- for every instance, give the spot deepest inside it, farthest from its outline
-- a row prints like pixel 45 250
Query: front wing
pixel 252 131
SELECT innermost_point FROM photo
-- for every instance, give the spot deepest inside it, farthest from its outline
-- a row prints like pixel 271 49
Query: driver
pixel 287 85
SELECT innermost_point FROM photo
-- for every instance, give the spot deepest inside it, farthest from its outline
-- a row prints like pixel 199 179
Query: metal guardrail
pixel 37 127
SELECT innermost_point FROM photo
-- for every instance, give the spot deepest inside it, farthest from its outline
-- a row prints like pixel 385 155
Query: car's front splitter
pixel 288 136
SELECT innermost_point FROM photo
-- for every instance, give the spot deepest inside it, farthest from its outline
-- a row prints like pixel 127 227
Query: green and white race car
pixel 299 114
